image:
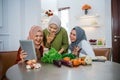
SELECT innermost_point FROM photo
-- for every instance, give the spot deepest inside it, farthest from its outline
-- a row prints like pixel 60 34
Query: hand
pixel 61 50
pixel 23 55
pixel 76 51
pixel 50 37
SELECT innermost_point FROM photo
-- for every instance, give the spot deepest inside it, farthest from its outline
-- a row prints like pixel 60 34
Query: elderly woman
pixel 56 36
pixel 79 45
pixel 36 35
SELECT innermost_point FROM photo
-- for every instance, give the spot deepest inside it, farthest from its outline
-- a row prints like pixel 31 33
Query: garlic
pixel 28 66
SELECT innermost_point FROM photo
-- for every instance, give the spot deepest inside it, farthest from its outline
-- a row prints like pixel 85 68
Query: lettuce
pixel 51 55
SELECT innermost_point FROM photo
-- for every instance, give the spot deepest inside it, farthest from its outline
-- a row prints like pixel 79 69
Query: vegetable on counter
pixel 66 63
pixel 57 63
pixel 75 62
pixel 51 55
pixel 70 55
pixel 66 58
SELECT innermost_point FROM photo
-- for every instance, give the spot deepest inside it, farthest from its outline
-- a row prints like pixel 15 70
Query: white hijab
pixel 55 20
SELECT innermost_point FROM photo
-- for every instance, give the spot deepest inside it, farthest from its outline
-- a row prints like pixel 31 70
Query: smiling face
pixel 53 28
pixel 38 38
pixel 73 36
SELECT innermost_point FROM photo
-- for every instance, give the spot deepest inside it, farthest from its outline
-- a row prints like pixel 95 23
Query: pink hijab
pixel 34 29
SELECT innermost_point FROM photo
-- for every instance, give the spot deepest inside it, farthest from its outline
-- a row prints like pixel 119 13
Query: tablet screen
pixel 28 47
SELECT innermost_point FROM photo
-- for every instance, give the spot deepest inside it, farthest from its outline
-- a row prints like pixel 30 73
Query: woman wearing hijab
pixel 56 36
pixel 35 34
pixel 79 45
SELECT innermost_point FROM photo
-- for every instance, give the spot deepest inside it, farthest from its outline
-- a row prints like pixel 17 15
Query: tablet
pixel 28 47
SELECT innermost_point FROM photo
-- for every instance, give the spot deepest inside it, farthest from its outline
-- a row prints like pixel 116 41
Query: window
pixel 64 16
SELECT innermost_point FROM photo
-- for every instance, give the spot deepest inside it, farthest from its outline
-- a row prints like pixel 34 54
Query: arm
pixel 87 48
pixel 61 50
pixel 18 56
pixel 46 43
pixel 65 43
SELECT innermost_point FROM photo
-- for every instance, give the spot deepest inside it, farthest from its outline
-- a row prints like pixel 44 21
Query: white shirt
pixel 87 48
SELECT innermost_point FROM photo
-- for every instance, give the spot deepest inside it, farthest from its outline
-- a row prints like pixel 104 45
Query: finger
pixel 21 56
pixel 22 51
pixel 47 36
pixel 24 56
pixel 77 48
pixel 52 34
pixel 25 53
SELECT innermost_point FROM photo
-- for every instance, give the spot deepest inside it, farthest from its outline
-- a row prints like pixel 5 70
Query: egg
pixel 28 66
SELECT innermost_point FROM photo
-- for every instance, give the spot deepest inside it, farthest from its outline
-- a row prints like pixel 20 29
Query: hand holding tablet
pixel 29 49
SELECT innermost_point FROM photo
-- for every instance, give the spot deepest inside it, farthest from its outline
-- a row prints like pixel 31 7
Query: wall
pixel 31 15
pixel 10 21
pixel 0 13
pixel 18 17
pixel 108 23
